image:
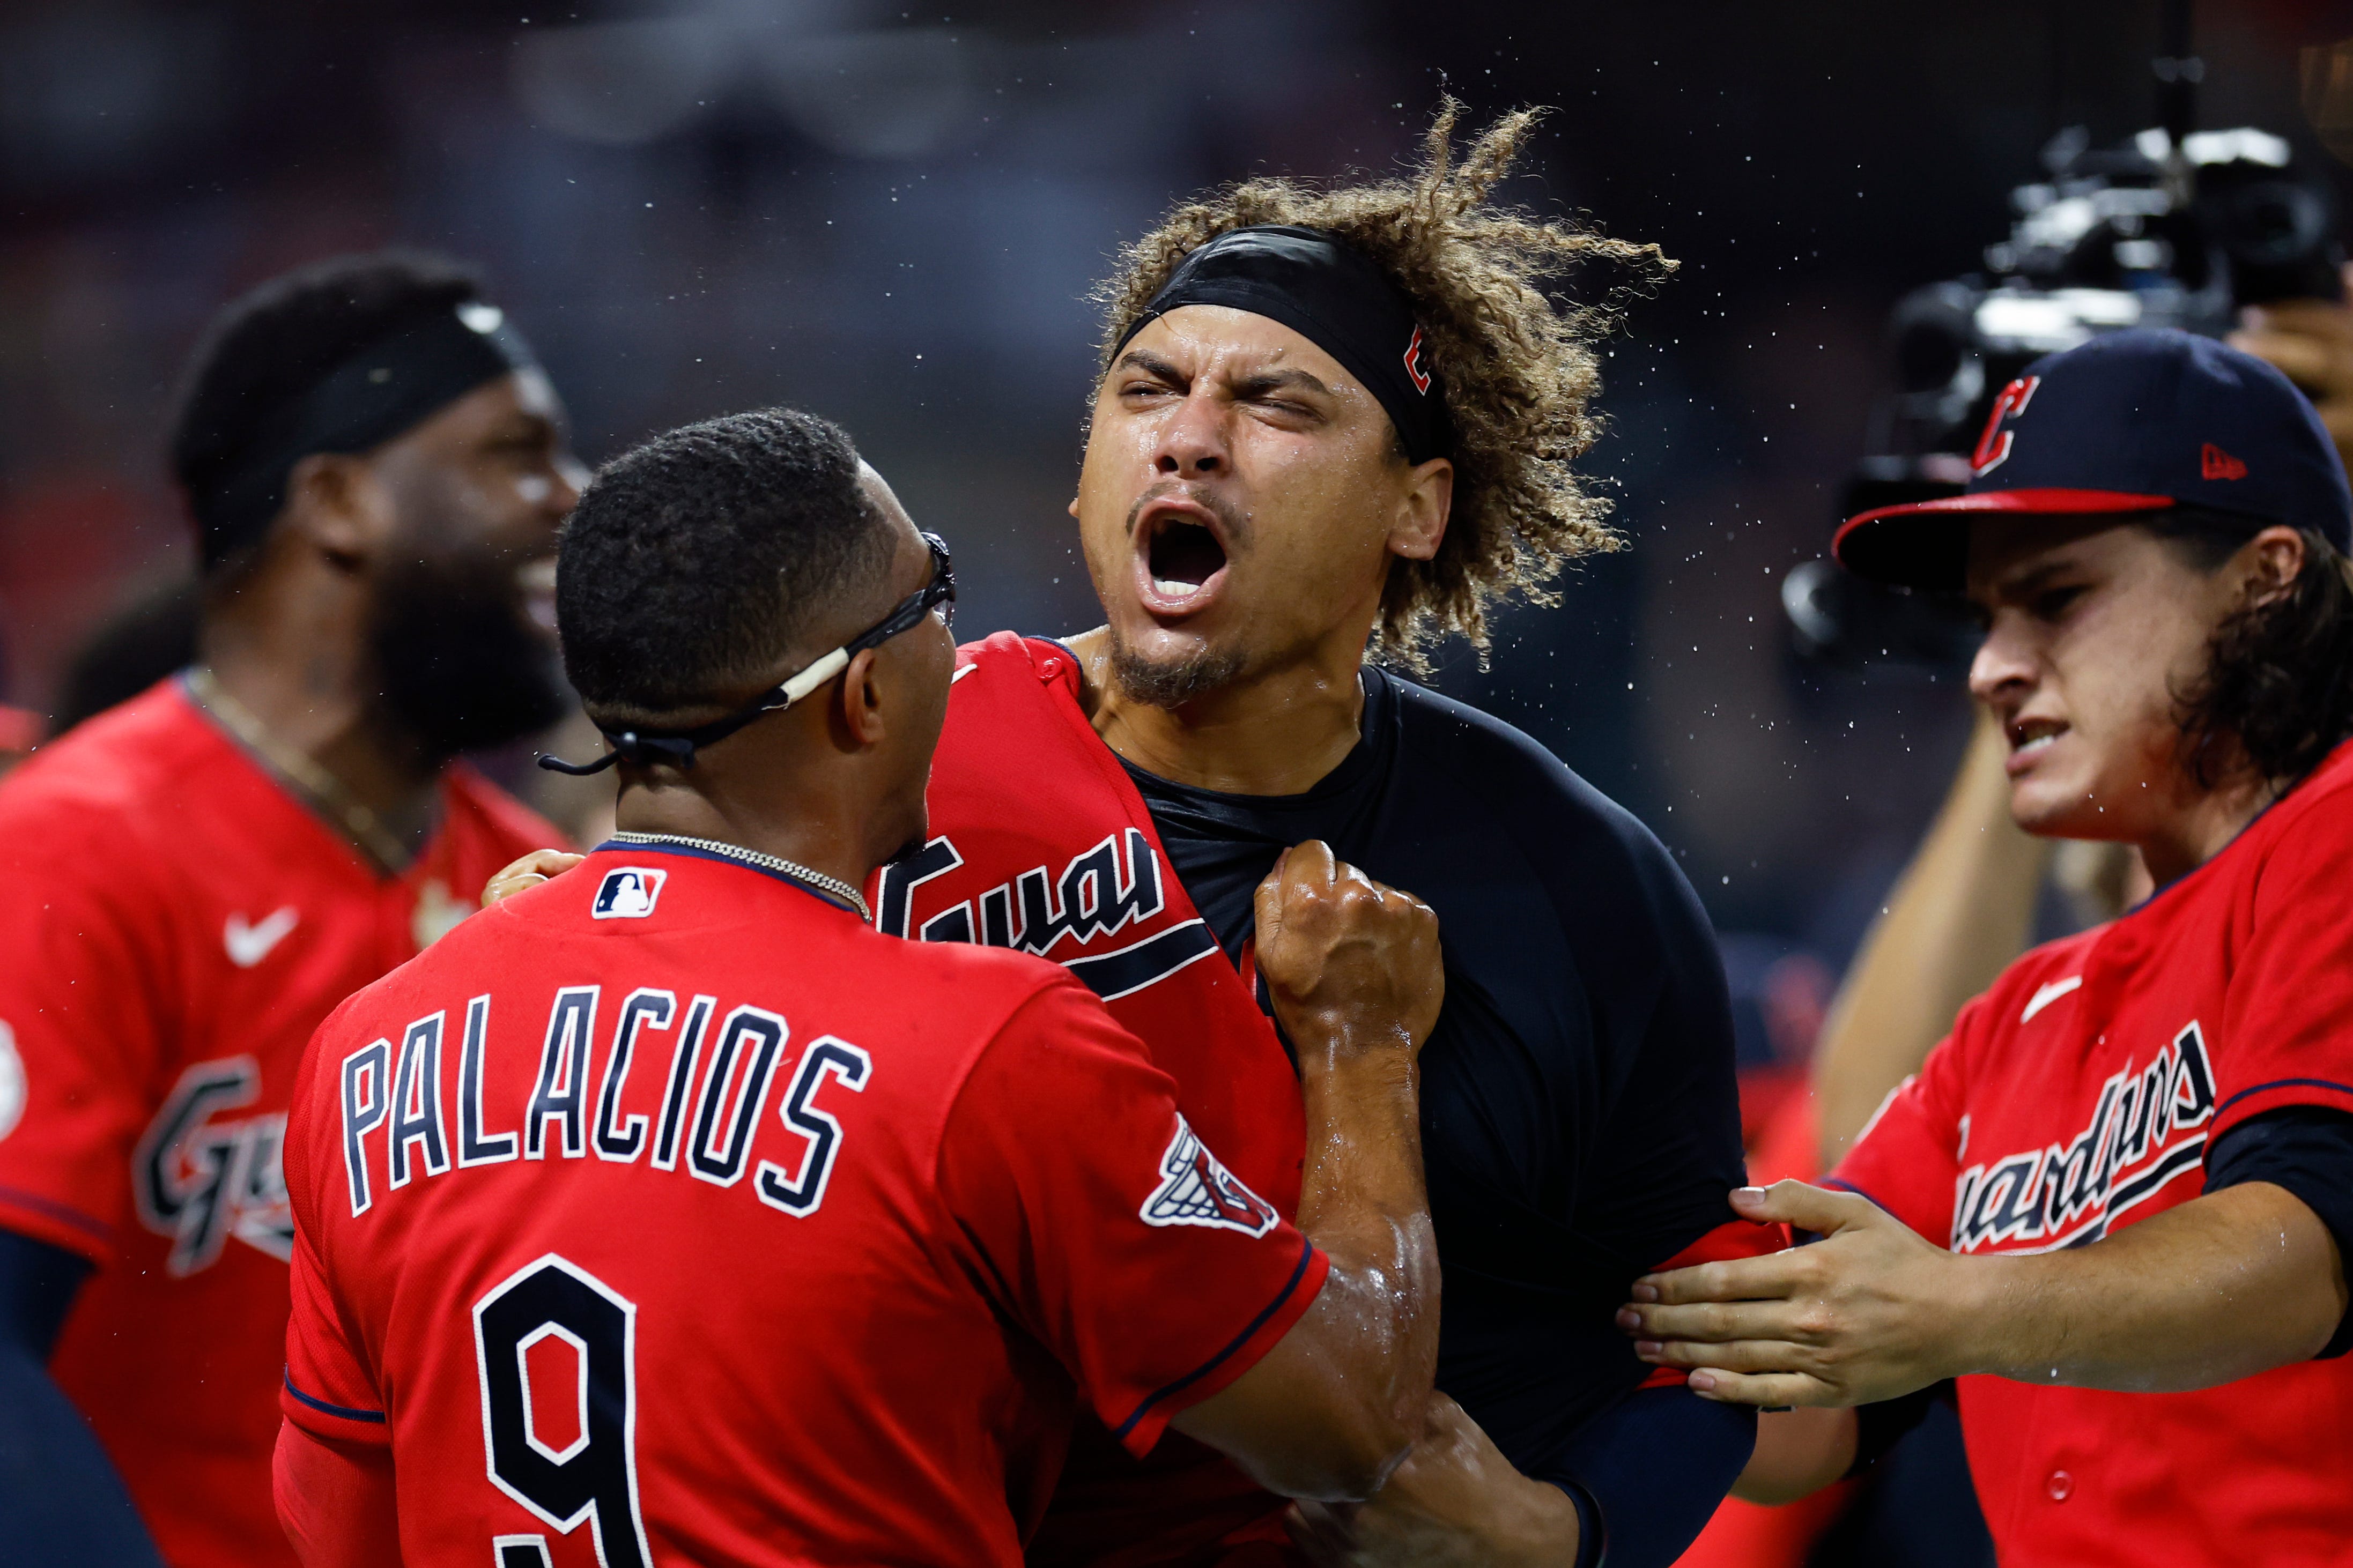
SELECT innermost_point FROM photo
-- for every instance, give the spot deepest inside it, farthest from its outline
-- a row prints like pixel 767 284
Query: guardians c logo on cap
pixel 2134 421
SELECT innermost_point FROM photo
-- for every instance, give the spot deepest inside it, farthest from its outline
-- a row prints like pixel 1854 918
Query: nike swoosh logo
pixel 2048 994
pixel 248 945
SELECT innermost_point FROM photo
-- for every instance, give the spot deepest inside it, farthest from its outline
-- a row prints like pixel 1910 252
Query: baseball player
pixel 194 878
pixel 670 1214
pixel 1329 423
pixel 2115 1203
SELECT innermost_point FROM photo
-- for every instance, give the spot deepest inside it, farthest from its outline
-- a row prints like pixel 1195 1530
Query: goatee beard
pixel 1172 683
pixel 457 664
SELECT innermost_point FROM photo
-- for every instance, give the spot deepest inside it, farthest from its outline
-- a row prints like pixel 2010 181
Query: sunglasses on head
pixel 678 746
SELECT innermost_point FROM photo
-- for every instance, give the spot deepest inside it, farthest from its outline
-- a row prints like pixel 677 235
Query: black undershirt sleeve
pixel 1879 1427
pixel 2308 1150
pixel 1648 1472
pixel 59 1496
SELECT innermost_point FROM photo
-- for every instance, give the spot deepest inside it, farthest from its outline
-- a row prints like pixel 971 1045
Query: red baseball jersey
pixel 1040 841
pixel 177 924
pixel 2079 1096
pixel 672 1201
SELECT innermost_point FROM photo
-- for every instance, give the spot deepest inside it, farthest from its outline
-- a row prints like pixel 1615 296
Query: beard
pixel 458 664
pixel 1172 683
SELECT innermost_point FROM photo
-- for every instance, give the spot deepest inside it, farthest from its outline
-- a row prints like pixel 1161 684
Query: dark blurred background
pixel 894 217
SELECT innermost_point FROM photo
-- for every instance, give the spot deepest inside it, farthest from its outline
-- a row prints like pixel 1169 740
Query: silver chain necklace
pixel 834 886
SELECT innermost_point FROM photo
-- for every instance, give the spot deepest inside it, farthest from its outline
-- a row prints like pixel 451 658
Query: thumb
pixel 1817 1209
pixel 1269 902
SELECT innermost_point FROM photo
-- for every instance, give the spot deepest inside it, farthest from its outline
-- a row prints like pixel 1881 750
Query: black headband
pixel 1337 298
pixel 383 390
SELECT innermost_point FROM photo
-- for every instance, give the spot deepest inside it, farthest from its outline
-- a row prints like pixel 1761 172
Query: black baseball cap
pixel 2133 420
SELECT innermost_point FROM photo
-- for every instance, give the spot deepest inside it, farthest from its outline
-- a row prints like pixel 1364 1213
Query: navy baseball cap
pixel 2133 420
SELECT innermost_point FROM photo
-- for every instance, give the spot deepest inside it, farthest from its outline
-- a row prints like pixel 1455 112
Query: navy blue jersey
pixel 1580 1121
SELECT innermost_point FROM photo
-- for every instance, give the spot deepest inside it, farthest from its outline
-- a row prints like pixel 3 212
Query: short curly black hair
pixel 693 562
pixel 1519 367
pixel 274 343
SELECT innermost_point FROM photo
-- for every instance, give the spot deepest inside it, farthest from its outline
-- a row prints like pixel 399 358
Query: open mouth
pixel 2029 737
pixel 537 581
pixel 1183 559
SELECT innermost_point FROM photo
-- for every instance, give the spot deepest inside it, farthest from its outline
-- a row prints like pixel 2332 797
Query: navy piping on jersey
pixel 687 851
pixel 1306 1253
pixel 2284 1083
pixel 39 1204
pixel 374 1416
pixel 1112 975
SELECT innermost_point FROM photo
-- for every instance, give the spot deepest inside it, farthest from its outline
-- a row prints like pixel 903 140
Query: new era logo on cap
pixel 628 893
pixel 2134 421
pixel 2213 463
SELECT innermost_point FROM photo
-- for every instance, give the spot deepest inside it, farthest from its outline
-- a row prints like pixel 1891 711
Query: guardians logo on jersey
pixel 2145 1130
pixel 200 1177
pixel 1113 886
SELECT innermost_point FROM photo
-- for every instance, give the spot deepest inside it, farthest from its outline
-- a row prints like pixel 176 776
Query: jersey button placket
pixel 2060 1485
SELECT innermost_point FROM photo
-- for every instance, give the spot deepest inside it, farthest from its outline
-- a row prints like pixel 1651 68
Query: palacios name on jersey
pixel 392 1096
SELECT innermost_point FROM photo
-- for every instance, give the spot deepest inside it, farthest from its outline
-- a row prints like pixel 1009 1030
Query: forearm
pixel 60 1494
pixel 1332 1410
pixel 1961 910
pixel 2221 1288
pixel 1363 1201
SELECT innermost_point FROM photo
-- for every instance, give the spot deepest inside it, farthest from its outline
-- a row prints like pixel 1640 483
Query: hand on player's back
pixel 528 872
pixel 1350 964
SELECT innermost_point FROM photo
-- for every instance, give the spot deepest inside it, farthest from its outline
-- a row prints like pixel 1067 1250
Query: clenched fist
pixel 1351 964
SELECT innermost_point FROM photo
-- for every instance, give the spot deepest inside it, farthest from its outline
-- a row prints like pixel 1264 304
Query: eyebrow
pixel 2027 580
pixel 1270 380
pixel 1254 383
pixel 527 423
pixel 1150 364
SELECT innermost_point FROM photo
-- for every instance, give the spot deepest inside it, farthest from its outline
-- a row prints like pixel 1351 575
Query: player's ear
pixel 1418 527
pixel 337 505
pixel 858 710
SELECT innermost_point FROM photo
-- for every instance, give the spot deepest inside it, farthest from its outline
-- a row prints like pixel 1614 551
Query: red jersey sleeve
pixel 1909 1153
pixel 1109 1230
pixel 327 1389
pixel 80 1025
pixel 2286 1033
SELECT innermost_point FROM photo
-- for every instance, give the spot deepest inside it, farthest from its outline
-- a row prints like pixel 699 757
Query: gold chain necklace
pixel 326 792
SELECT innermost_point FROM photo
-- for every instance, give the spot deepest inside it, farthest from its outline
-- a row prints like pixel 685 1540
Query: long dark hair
pixel 2276 695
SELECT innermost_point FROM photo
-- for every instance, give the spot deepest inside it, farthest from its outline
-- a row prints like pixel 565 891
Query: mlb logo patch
pixel 628 893
pixel 1195 1189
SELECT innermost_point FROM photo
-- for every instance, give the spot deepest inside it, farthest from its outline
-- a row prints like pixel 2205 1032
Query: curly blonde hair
pixel 1519 369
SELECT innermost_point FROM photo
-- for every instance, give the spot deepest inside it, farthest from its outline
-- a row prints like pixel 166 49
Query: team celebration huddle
pixel 1177 1094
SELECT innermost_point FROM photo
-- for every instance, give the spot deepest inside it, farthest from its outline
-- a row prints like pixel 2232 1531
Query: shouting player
pixel 865 1219
pixel 1327 420
pixel 376 470
pixel 2115 1202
